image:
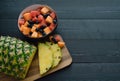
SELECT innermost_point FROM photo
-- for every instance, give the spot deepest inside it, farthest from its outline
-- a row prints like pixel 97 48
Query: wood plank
pixel 87 72
pixel 85 9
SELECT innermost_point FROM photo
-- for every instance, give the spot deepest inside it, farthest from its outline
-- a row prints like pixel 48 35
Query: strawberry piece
pixel 53 15
pixel 57 38
pixel 21 22
pixel 34 19
pixel 34 13
pixel 40 18
pixel 52 26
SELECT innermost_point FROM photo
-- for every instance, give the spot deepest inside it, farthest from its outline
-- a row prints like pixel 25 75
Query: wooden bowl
pixel 34 7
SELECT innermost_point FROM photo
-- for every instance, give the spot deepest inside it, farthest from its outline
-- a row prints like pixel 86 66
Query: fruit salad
pixel 38 23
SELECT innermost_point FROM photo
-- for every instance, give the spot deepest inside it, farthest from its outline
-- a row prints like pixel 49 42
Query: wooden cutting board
pixel 33 72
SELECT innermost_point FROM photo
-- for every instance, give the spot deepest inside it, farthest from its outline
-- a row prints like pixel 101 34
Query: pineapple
pixel 57 54
pixel 45 58
pixel 15 56
pixel 49 56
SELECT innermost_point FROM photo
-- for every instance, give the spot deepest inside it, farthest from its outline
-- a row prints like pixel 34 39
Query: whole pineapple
pixel 15 56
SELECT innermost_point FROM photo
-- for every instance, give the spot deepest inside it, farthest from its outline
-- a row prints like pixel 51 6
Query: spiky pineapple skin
pixel 15 56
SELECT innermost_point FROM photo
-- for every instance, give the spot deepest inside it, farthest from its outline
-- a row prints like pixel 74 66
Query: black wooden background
pixel 91 30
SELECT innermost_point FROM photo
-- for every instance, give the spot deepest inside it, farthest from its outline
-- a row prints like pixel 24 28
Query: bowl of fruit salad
pixel 37 21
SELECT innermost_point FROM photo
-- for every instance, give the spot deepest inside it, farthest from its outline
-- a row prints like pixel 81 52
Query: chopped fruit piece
pixel 34 19
pixel 34 13
pixel 47 30
pixel 44 10
pixel 21 22
pixel 52 26
pixel 27 16
pixel 61 44
pixel 37 25
pixel 43 22
pixel 49 19
pixel 57 37
pixel 39 35
pixel 21 28
pixel 53 15
pixel 33 29
pixel 40 18
pixel 26 24
pixel 34 35
pixel 26 30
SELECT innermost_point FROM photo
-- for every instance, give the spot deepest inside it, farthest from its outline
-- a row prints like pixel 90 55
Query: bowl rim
pixel 33 7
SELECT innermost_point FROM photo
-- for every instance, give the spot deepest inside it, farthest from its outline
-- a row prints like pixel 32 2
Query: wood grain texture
pixel 82 9
pixel 91 30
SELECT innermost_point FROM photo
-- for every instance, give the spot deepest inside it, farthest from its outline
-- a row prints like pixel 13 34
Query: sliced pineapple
pixel 15 56
pixel 45 58
pixel 56 51
pixel 49 56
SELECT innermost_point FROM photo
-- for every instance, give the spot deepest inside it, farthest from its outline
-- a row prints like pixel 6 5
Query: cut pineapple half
pixel 15 56
pixel 45 58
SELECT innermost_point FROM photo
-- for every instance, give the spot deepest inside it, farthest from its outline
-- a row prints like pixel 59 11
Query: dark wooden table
pixel 91 30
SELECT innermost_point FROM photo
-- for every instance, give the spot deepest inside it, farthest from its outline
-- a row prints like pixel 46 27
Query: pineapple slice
pixel 15 56
pixel 57 53
pixel 49 56
pixel 45 58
